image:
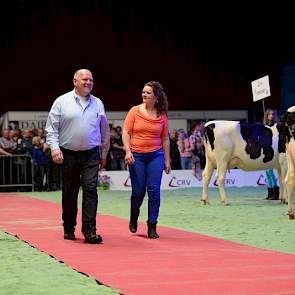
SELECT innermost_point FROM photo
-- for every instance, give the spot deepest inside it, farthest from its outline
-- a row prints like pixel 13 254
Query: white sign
pixel 260 88
pixel 119 180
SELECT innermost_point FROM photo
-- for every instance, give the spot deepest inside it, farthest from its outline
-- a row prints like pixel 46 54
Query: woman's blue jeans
pixel 146 175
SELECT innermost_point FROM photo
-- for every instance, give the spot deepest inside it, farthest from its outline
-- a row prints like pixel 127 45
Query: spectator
pixel 197 142
pixel 7 144
pixel 185 149
pixel 269 119
pixel 7 148
pixel 25 144
pixel 117 150
pixel 39 161
pixel 174 152
pixel 25 148
pixel 41 133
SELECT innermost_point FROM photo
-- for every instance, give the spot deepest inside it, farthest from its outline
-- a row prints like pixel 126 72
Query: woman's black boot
pixel 133 224
pixel 152 230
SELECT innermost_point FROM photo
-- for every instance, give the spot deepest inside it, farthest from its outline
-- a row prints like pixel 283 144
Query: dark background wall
pixel 205 57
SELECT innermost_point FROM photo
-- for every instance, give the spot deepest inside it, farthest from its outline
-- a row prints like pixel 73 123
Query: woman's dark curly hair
pixel 162 101
pixel 266 121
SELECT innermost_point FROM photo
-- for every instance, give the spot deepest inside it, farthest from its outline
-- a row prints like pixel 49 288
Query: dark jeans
pixel 79 167
pixel 146 175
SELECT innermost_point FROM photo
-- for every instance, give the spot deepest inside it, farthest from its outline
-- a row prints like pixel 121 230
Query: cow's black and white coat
pixel 288 122
pixel 250 147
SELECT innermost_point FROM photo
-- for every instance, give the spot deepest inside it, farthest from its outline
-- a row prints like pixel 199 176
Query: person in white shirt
pixel 77 132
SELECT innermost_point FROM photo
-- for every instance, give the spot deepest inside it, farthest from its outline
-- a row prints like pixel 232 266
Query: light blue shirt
pixel 76 127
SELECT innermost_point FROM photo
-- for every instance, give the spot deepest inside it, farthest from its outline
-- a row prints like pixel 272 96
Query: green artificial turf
pixel 26 271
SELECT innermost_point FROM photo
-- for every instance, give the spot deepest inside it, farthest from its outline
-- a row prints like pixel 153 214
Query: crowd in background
pixel 186 152
pixel 30 145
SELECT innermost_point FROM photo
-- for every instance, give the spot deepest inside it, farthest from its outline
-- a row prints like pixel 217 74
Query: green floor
pixel 250 219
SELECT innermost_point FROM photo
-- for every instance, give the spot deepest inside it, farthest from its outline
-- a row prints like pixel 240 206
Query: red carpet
pixel 178 263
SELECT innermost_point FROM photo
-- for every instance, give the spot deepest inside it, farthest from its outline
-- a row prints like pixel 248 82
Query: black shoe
pixel 270 194
pixel 69 234
pixel 90 236
pixel 276 193
pixel 133 224
pixel 152 230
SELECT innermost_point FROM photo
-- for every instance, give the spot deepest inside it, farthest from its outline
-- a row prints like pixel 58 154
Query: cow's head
pixel 288 122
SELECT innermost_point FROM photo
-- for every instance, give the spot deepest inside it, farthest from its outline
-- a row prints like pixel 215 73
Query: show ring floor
pixel 179 262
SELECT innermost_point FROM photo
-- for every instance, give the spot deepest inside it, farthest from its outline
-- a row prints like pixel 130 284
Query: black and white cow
pixel 288 122
pixel 250 147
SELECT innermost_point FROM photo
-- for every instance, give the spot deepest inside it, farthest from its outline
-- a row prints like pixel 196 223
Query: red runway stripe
pixel 178 263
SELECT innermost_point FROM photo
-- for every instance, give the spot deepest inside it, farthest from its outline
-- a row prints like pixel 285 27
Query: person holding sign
pixel 270 118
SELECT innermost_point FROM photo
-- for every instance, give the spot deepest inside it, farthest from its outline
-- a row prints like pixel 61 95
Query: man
pixel 7 145
pixel 78 135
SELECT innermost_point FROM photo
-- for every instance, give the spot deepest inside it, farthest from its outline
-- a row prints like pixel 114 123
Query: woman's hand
pixel 167 167
pixel 102 164
pixel 129 159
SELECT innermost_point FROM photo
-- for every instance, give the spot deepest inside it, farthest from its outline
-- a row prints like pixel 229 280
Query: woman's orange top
pixel 146 132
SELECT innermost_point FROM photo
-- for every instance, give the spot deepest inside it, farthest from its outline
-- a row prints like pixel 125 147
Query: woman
pixel 270 118
pixel 146 142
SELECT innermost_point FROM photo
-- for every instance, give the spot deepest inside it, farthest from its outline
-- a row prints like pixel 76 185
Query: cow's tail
pixel 209 135
pixel 209 142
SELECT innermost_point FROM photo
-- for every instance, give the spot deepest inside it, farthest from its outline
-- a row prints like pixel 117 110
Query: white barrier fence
pixel 119 180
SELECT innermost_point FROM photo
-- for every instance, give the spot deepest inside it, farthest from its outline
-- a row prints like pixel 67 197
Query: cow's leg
pixel 282 196
pixel 221 172
pixel 282 173
pixel 290 189
pixel 223 155
pixel 207 174
pixel 290 180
